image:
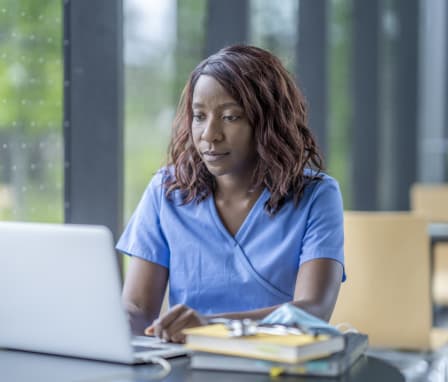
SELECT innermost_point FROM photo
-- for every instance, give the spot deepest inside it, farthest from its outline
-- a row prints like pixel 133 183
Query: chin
pixel 217 170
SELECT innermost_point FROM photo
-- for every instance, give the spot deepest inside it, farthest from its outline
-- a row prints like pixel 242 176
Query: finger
pixel 178 338
pixel 187 319
pixel 172 314
pixel 166 336
pixel 149 331
pixel 163 322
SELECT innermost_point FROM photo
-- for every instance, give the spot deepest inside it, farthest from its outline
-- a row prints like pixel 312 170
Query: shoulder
pixel 321 194
pixel 159 178
pixel 320 182
pixel 154 190
pixel 159 185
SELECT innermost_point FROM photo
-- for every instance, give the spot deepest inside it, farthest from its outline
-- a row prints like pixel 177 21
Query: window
pixel 163 43
pixel 31 149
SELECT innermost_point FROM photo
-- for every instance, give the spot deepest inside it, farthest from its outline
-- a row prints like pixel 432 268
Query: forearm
pixel 256 314
pixel 139 318
pixel 315 308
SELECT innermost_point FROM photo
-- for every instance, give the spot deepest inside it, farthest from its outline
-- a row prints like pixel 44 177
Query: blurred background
pixel 88 91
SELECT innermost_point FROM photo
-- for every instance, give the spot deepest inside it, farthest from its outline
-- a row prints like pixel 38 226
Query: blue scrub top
pixel 214 272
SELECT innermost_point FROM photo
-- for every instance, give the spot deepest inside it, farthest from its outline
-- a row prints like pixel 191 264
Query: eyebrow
pixel 222 106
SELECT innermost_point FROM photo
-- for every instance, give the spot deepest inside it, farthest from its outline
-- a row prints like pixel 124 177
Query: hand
pixel 170 325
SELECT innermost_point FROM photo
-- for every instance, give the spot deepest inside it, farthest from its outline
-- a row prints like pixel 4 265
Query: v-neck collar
pixel 240 234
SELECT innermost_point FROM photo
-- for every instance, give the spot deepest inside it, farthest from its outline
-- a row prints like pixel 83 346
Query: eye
pixel 198 117
pixel 231 118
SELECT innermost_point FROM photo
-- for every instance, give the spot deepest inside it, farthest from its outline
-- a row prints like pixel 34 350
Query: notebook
pixel 331 366
pixel 60 293
pixel 289 348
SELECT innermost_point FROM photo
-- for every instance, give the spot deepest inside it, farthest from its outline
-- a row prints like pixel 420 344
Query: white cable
pixel 166 368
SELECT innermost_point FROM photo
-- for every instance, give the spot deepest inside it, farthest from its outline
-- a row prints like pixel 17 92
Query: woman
pixel 242 219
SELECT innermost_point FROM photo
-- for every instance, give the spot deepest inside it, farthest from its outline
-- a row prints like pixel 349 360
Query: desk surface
pixel 22 366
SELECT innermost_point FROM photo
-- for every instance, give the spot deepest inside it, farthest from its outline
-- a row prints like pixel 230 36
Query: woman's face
pixel 221 132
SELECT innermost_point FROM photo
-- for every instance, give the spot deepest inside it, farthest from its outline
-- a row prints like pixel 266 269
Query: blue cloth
pixel 291 315
pixel 212 271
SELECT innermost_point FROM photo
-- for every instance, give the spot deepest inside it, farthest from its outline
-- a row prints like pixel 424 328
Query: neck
pixel 235 188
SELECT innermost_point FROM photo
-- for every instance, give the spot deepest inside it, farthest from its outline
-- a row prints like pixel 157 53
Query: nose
pixel 212 130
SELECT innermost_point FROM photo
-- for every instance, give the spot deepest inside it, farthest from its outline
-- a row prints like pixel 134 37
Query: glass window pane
pixel 163 43
pixel 339 96
pixel 273 26
pixel 31 76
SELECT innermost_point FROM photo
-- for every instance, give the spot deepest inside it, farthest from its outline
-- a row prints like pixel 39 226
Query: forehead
pixel 208 90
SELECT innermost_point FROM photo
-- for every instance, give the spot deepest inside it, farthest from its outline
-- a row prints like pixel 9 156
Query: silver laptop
pixel 60 293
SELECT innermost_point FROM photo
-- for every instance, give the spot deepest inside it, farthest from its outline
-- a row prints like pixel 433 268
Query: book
pixel 289 348
pixel 331 366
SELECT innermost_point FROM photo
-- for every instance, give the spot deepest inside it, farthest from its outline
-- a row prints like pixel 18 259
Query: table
pixel 16 366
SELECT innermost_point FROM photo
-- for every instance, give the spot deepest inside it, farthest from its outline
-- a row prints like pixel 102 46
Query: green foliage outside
pixel 31 91
pixel 153 89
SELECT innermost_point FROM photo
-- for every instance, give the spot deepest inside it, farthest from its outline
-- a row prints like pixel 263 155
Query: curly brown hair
pixel 274 106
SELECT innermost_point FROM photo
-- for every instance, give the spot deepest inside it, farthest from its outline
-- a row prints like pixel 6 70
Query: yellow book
pixel 290 348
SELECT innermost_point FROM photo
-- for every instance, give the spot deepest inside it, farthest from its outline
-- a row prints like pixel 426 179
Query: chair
pixel 387 292
pixel 431 201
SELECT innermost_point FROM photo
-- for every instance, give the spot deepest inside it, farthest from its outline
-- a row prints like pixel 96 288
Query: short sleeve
pixel 324 233
pixel 143 236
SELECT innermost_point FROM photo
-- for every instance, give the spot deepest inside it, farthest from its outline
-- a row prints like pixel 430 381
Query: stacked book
pixel 303 354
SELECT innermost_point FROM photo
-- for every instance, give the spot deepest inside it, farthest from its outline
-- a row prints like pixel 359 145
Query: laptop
pixel 60 293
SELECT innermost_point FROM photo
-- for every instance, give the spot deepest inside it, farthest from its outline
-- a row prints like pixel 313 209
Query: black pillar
pixel 405 130
pixel 93 112
pixel 311 59
pixel 445 117
pixel 365 104
pixel 227 23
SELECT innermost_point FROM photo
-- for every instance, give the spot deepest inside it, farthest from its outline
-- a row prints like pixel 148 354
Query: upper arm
pixel 324 233
pixel 144 287
pixel 317 286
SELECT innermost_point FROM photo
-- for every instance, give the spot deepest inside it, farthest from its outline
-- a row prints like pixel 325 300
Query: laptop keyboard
pixel 143 343
pixel 137 348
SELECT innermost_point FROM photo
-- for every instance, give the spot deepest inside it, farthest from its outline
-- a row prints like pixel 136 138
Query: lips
pixel 213 156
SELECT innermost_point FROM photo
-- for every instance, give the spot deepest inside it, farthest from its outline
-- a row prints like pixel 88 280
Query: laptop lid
pixel 60 292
